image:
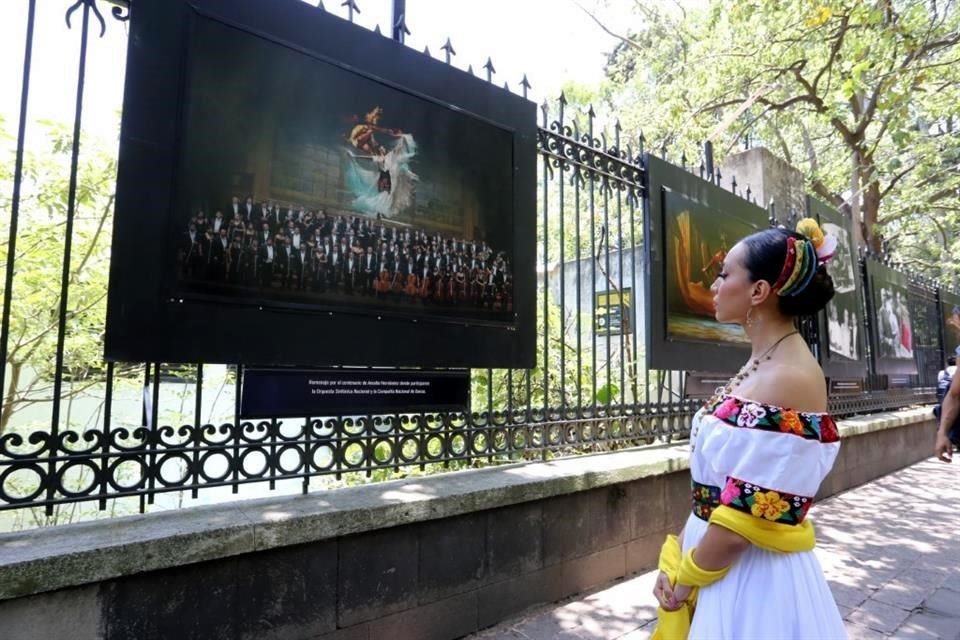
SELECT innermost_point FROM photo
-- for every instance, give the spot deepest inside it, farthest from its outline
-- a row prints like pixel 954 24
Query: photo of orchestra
pixel 305 183
pixel 293 250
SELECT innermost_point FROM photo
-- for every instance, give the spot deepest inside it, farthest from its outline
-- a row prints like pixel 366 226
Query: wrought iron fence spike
pixel 426 50
pixel 352 8
pixel 470 69
pixel 400 28
pixel 490 69
pixel 96 14
pixel 448 50
pixel 376 29
pixel 506 85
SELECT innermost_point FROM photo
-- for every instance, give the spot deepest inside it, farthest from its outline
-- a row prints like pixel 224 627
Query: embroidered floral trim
pixel 764 503
pixel 706 498
pixel 755 415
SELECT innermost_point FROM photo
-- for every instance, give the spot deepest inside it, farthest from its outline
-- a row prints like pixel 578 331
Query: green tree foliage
pixel 36 294
pixel 860 95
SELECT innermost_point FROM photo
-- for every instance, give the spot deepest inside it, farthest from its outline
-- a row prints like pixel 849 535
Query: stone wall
pixel 769 179
pixel 425 558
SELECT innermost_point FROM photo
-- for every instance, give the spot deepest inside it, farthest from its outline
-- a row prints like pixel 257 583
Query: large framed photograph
pixel 286 174
pixel 692 224
pixel 950 318
pixel 843 347
pixel 893 347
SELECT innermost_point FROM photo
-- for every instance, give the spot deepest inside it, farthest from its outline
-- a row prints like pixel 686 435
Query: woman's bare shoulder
pixel 794 386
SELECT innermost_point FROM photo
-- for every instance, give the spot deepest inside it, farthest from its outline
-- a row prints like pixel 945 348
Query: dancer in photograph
pixel 378 173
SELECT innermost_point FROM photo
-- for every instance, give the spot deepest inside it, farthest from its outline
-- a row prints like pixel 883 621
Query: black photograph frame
pixel 666 182
pixel 846 273
pixel 880 278
pixel 149 321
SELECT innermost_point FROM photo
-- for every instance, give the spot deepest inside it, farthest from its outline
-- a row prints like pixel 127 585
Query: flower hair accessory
pixel 824 245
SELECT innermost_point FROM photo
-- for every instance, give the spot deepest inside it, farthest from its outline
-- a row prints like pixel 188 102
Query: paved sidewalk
pixel 890 549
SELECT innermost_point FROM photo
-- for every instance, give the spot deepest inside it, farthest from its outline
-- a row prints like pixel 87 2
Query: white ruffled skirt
pixel 765 596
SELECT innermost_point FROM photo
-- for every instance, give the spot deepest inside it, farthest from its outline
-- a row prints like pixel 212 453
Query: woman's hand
pixel 663 591
pixel 680 594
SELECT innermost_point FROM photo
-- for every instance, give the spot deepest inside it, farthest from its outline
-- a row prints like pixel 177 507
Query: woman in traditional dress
pixel 743 566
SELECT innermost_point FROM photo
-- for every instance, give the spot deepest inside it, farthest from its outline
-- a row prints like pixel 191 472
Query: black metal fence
pixel 77 430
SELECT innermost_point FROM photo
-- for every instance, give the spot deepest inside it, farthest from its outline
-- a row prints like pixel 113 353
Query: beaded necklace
pixel 745 371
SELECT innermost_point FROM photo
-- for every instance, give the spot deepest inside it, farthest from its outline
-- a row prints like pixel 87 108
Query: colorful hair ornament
pixel 824 245
pixel 810 268
pixel 799 267
pixel 787 264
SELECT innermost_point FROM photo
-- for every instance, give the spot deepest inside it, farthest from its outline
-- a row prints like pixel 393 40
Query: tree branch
pixel 834 51
pixel 627 41
pixel 897 178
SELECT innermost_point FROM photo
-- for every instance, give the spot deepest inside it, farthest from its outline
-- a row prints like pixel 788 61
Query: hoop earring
pixel 749 321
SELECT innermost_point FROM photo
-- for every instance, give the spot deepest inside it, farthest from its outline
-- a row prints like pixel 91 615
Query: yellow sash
pixel 673 625
pixel 772 536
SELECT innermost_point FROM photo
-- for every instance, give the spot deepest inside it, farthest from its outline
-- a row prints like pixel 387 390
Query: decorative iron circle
pixel 214 455
pixel 116 470
pixel 12 497
pixel 166 461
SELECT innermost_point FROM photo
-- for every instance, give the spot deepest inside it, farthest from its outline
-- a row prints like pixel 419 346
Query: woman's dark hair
pixel 765 255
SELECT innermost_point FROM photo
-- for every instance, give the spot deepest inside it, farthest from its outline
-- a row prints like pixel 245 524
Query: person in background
pixel 948 434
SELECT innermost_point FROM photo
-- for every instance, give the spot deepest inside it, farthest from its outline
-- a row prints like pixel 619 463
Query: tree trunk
pixel 871 209
pixel 12 385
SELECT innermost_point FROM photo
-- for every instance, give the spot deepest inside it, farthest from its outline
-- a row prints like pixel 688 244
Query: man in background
pixel 948 434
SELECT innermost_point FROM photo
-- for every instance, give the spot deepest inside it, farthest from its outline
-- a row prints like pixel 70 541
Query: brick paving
pixel 890 550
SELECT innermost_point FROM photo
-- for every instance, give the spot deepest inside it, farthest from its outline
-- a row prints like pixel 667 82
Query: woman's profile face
pixel 732 288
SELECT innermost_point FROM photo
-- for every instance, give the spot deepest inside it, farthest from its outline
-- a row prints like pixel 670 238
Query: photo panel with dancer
pixel 304 182
pixel 843 311
pixel 950 313
pixel 895 338
pixel 697 241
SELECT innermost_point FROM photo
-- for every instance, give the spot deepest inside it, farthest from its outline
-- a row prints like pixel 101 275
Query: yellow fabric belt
pixel 771 536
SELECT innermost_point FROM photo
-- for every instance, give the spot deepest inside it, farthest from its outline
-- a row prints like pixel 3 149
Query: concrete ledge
pixel 51 559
